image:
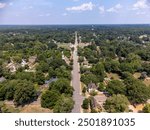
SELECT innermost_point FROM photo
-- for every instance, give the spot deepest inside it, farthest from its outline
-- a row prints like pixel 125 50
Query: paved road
pixel 76 80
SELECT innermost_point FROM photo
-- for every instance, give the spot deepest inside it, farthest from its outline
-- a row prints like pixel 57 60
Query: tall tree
pixel 49 99
pixel 137 91
pixel 116 104
pixel 25 93
pixel 64 105
pixel 116 87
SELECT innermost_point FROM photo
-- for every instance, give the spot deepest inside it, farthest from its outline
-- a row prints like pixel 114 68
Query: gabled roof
pixel 92 86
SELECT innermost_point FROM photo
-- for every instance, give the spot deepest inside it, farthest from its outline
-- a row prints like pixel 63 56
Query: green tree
pixel 146 108
pixel 126 67
pixel 10 88
pixel 2 92
pixel 62 86
pixel 101 86
pixel 64 105
pixel 84 90
pixel 49 99
pixel 62 72
pixel 112 66
pixel 24 93
pixel 88 78
pixel 43 66
pixel 51 72
pixel 25 75
pixel 99 71
pixel 85 104
pixel 39 78
pixel 116 104
pixel 1 71
pixel 17 59
pixel 81 59
pixel 137 91
pixel 116 87
pixel 131 64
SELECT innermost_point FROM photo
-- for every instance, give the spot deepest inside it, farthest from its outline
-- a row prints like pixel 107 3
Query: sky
pixel 41 12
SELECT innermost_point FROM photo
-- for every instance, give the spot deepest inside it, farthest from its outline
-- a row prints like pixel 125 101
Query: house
pixel 23 63
pixel 92 87
pixel 143 75
pixel 12 67
pixel 32 59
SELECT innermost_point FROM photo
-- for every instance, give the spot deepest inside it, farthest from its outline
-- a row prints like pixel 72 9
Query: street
pixel 77 95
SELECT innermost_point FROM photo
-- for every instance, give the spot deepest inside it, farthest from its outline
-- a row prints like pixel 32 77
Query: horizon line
pixel 73 24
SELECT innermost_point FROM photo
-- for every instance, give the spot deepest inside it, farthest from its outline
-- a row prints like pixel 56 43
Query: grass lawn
pixel 136 75
pixel 64 45
pixel 35 109
pixel 113 76
pixel 147 81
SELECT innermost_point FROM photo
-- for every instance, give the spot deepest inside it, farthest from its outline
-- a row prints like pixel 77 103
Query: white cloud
pixel 83 7
pixel 102 9
pixel 140 4
pixel 115 9
pixel 2 5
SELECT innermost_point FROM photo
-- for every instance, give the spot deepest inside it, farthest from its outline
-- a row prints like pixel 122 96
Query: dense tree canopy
pixel 62 86
pixel 116 104
pixel 88 78
pixel 116 87
pixel 64 105
pixel 49 99
pixel 99 70
pixel 25 93
pixel 121 50
pixel 137 92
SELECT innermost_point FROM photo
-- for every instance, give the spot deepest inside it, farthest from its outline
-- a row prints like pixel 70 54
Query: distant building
pixel 32 59
pixel 92 87
pixel 143 75
pixel 143 36
pixel 23 63
pixel 12 67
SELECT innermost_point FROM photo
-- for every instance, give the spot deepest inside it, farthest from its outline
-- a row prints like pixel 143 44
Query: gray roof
pixel 2 79
pixel 92 86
